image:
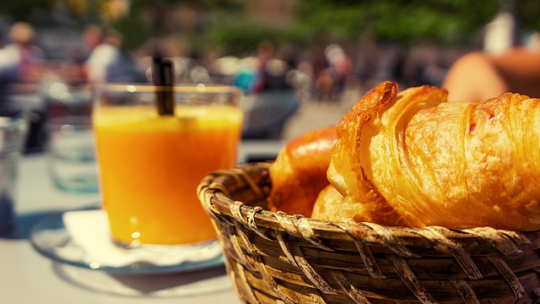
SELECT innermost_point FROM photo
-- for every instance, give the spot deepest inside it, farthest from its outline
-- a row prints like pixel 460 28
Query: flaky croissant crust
pixel 415 159
pixel 299 172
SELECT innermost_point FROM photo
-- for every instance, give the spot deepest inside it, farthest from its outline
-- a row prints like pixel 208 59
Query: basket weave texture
pixel 273 257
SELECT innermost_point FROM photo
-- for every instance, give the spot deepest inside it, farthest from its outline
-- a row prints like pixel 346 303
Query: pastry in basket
pixel 415 159
pixel 299 172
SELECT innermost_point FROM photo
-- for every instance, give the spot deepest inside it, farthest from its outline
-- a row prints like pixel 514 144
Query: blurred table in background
pixel 28 277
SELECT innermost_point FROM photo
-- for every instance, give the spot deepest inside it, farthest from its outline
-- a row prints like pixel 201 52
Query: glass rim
pixel 177 88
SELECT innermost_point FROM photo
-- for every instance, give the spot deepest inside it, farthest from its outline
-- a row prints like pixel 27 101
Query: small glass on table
pixel 72 164
pixel 13 131
pixel 70 145
pixel 151 163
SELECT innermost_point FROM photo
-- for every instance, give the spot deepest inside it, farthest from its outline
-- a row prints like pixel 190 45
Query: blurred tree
pixel 527 12
pixel 228 24
pixel 158 18
pixel 20 10
pixel 28 10
pixel 323 21
pixel 403 21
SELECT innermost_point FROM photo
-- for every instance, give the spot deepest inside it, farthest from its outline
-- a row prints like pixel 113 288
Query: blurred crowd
pixel 93 58
pixel 317 73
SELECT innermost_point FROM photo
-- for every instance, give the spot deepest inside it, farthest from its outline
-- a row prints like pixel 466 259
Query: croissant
pixel 299 172
pixel 414 159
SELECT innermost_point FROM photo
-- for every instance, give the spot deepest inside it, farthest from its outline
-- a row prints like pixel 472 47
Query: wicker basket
pixel 279 258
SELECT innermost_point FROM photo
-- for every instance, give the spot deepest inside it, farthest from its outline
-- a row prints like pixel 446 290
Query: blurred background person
pixel 21 63
pixel 480 75
pixel 339 66
pixel 107 62
pixel 20 57
pixel 506 63
pixel 271 71
pixel 263 72
pixel 332 79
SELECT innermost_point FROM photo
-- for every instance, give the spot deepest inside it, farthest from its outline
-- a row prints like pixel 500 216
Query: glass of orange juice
pixel 150 164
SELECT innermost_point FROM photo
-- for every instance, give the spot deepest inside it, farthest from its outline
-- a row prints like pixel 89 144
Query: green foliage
pixel 325 21
pixel 333 19
pixel 156 25
pixel 225 23
pixel 404 21
pixel 241 36
pixel 236 37
pixel 131 38
pixel 23 10
pixel 528 12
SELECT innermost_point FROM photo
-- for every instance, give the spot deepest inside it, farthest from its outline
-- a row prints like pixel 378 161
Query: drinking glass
pixel 70 144
pixel 150 164
pixel 13 131
pixel 72 161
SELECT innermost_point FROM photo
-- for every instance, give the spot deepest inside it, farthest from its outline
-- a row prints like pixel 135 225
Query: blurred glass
pixel 71 143
pixel 12 136
pixel 72 161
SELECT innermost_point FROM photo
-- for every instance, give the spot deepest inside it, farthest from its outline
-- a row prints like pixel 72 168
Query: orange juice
pixel 150 167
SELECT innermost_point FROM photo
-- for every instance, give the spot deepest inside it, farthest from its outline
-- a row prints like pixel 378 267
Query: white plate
pixel 51 238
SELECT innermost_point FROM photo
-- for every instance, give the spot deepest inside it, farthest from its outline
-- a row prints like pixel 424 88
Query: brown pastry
pixel 414 159
pixel 299 172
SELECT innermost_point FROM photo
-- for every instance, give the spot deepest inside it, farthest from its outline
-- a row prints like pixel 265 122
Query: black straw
pixel 163 77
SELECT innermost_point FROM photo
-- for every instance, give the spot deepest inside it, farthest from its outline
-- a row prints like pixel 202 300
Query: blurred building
pixel 187 18
pixel 275 11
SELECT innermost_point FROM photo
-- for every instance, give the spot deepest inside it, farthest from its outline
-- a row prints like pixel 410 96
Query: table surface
pixel 28 277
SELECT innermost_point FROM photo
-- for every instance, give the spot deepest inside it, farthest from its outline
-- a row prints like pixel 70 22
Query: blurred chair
pixel 267 113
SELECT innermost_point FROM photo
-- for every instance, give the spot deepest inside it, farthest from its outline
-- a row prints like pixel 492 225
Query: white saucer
pixel 51 238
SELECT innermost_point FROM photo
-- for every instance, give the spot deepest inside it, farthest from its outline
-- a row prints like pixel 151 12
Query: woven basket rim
pixel 215 196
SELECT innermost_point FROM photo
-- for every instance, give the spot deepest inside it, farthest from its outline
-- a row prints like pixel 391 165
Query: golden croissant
pixel 299 172
pixel 415 159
